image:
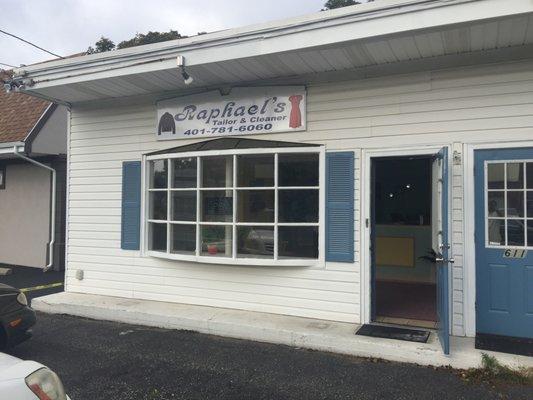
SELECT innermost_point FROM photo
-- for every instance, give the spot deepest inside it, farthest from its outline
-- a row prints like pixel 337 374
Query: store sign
pixel 245 111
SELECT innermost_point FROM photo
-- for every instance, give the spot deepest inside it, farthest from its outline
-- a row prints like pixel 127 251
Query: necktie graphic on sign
pixel 246 111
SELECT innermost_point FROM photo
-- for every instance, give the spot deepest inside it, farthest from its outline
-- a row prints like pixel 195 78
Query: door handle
pixel 440 259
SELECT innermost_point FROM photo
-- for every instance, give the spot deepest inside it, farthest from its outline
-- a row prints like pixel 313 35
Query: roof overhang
pixel 371 35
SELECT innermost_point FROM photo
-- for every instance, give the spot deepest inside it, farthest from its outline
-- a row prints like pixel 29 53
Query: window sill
pixel 239 261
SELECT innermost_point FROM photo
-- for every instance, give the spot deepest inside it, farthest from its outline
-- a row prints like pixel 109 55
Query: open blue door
pixel 440 244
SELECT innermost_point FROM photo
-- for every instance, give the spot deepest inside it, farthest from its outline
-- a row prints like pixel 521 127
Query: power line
pixel 30 43
pixel 7 65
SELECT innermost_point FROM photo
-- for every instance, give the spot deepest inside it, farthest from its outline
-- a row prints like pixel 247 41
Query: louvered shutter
pixel 131 205
pixel 340 206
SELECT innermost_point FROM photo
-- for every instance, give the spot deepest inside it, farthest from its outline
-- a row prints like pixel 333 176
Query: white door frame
pixel 469 262
pixel 365 259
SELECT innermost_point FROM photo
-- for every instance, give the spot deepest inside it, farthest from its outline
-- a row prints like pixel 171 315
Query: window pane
pixel 530 233
pixel 184 206
pixel 515 204
pixel 216 241
pixel 157 237
pixel 183 239
pixel 496 229
pixel 255 242
pixel 495 176
pixel 529 174
pixel 158 174
pixel 158 205
pixel 298 205
pixel 515 232
pixel 217 206
pixel 255 170
pixel 298 242
pixel 217 171
pixel 298 169
pixel 515 175
pixel 529 205
pixel 184 173
pixel 496 206
pixel 255 206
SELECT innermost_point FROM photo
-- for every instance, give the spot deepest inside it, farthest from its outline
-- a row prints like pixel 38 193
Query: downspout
pixel 53 206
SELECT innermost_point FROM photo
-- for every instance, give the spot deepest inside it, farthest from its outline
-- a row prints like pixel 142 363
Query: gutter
pixel 15 151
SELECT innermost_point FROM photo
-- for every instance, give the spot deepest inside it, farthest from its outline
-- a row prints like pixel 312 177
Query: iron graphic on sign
pixel 245 111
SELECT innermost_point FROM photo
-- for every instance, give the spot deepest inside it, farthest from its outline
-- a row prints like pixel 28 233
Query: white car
pixel 28 380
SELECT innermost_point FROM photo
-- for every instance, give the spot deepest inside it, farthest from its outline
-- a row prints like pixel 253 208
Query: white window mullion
pixel 234 219
pixel 198 177
pixel 169 203
pixel 276 207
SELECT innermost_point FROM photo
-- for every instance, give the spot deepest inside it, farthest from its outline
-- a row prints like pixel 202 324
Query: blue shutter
pixel 131 205
pixel 340 206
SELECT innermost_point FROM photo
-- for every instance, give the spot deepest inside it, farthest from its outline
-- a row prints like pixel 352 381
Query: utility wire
pixel 30 43
pixel 7 65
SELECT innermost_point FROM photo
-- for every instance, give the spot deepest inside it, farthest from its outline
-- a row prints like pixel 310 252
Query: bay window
pixel 242 206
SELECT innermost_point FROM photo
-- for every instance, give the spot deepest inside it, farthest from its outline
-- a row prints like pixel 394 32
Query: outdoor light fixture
pixel 187 79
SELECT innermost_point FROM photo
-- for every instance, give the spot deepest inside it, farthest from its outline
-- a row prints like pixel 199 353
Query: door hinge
pixel 367 222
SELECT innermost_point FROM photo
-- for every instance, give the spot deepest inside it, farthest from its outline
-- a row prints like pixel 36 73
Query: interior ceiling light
pixel 187 79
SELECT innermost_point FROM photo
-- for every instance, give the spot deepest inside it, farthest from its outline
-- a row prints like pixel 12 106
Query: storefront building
pixel 372 164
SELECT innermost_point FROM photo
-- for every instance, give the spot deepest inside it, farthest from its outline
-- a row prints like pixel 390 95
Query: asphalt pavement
pixel 107 360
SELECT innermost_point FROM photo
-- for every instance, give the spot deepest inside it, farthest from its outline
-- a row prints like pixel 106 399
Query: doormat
pixel 505 344
pixel 391 332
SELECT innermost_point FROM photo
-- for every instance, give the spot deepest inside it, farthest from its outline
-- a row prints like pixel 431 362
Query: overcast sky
pixel 70 26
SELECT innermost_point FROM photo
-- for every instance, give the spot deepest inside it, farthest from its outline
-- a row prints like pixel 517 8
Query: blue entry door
pixel 504 242
pixel 441 244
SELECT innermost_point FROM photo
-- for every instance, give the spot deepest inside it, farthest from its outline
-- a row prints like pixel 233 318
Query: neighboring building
pixel 368 164
pixel 35 129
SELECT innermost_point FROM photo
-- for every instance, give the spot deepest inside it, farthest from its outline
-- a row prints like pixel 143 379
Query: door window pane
pixel 217 206
pixel 529 175
pixel 298 205
pixel 255 206
pixel 184 173
pixel 217 171
pixel 255 242
pixel 529 205
pixel 496 205
pixel 515 232
pixel 515 204
pixel 158 205
pixel 157 237
pixel 495 176
pixel 158 174
pixel 530 233
pixel 216 240
pixel 184 206
pixel 496 230
pixel 515 175
pixel 298 169
pixel 183 239
pixel 255 170
pixel 298 242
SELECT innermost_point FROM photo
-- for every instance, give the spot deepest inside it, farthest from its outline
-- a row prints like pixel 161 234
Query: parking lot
pixel 107 360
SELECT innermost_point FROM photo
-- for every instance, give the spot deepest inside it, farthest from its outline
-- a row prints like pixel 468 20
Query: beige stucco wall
pixel 24 216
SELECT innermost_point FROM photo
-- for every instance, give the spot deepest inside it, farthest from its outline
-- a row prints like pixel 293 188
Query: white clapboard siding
pixel 448 107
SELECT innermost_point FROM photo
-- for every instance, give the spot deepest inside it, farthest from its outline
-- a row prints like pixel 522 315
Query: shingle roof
pixel 18 114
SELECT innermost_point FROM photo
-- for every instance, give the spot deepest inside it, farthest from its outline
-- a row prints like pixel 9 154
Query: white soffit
pixel 373 34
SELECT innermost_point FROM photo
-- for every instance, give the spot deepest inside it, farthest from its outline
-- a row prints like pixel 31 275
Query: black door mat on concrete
pixel 505 344
pixel 391 332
